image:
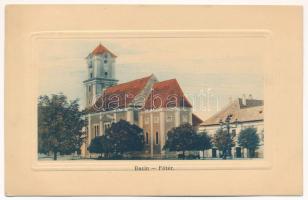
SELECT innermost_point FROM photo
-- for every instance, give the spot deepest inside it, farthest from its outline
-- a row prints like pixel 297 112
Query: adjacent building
pixel 155 106
pixel 244 112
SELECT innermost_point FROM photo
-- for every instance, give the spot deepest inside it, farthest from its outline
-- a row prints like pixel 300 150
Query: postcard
pixel 111 100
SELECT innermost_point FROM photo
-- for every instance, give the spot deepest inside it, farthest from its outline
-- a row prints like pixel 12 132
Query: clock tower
pixel 101 73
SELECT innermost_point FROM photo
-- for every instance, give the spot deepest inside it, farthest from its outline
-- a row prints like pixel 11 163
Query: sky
pixel 210 71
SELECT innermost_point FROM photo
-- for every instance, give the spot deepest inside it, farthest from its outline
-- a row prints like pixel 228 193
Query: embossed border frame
pixel 128 165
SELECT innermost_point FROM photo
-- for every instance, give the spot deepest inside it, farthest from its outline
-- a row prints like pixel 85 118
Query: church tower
pixel 101 72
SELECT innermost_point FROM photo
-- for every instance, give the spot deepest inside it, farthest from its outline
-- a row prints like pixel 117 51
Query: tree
pixel 60 125
pixel 96 145
pixel 182 138
pixel 249 139
pixel 224 141
pixel 123 137
pixel 203 142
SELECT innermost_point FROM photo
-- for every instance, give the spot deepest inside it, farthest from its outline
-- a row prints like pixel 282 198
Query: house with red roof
pixel 155 106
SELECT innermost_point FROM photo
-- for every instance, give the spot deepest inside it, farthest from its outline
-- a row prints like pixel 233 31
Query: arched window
pixel 147 138
pixel 106 73
pixel 156 138
pixel 96 130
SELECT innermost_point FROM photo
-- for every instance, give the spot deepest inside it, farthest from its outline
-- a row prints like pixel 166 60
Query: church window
pixel 91 75
pixel 147 138
pixel 136 115
pixel 106 73
pixel 105 61
pixel 90 88
pixel 156 137
pixel 96 130
pixel 107 125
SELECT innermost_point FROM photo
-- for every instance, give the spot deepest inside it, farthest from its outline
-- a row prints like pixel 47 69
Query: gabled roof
pixel 251 111
pixel 250 114
pixel 121 95
pixel 167 94
pixel 100 49
pixel 164 94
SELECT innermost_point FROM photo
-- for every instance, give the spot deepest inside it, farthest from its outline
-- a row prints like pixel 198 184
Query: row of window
pixel 261 134
pixel 97 128
pixel 105 73
pixel 108 125
pixel 156 138
pixel 169 118
pixel 105 61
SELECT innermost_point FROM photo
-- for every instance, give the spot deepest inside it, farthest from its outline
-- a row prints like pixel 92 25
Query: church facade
pixel 155 106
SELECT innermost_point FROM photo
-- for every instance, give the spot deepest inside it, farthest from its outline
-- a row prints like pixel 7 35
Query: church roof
pixel 100 49
pixel 168 93
pixel 252 110
pixel 123 94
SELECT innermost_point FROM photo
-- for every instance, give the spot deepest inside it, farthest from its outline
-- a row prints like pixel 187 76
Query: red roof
pixel 167 94
pixel 120 96
pixel 163 94
pixel 100 49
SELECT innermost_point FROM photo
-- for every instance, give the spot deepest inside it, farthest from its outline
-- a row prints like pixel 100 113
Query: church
pixel 155 106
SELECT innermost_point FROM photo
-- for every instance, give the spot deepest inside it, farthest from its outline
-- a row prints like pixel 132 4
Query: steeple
pixel 100 49
pixel 101 72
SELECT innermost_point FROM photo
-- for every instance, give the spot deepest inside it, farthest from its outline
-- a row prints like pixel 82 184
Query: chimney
pixel 250 96
pixel 244 100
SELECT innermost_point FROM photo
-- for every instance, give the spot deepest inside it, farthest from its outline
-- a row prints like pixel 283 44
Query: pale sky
pixel 226 67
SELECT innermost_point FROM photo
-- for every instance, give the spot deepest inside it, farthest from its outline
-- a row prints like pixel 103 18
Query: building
pixel 155 106
pixel 243 113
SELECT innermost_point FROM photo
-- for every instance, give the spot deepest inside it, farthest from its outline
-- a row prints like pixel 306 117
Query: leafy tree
pixel 203 142
pixel 123 137
pixel 224 141
pixel 107 146
pixel 102 144
pixel 60 125
pixel 182 138
pixel 249 139
pixel 96 145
